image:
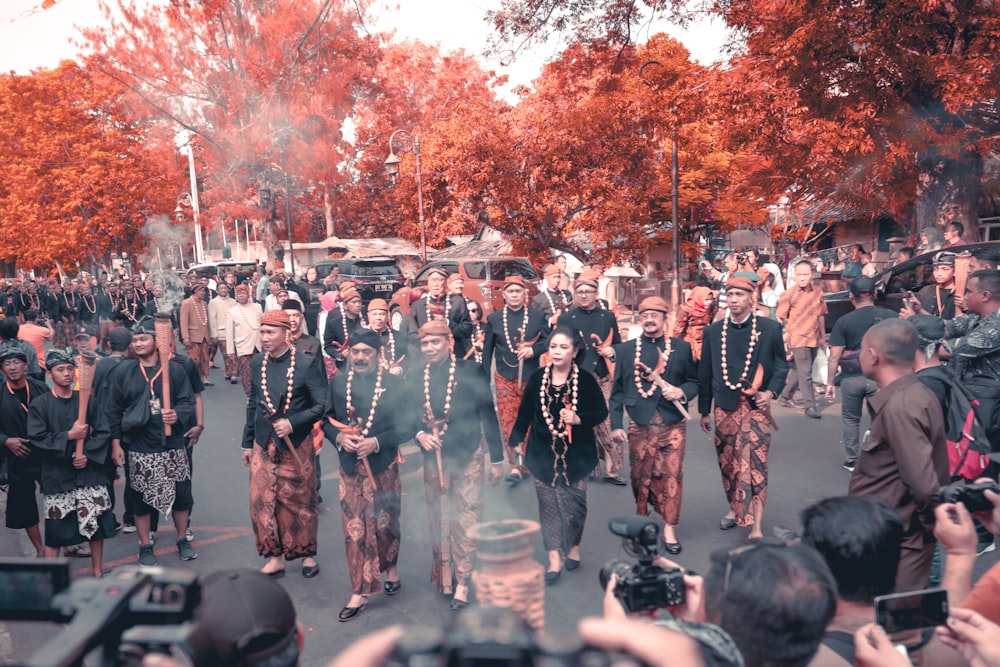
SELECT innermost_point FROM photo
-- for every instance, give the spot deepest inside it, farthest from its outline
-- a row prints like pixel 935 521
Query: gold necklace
pixel 291 379
pixel 447 395
pixel 646 393
pixel 725 359
pixel 375 397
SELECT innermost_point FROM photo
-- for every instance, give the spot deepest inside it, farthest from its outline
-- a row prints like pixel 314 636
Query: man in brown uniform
pixel 194 329
pixel 904 460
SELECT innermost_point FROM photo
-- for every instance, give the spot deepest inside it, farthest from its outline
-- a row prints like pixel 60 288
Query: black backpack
pixel 968 446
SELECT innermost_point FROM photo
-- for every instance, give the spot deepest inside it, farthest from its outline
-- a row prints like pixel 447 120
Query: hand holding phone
pixel 913 610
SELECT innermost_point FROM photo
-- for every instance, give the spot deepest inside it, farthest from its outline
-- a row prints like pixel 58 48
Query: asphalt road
pixel 805 465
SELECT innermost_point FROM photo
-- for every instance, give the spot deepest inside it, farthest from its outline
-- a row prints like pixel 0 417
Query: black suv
pixel 376 277
pixel 892 284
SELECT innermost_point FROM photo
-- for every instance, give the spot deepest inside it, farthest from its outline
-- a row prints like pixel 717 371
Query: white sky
pixel 32 37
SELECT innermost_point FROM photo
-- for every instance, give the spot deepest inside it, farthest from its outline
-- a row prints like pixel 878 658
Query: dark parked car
pixel 376 277
pixel 892 284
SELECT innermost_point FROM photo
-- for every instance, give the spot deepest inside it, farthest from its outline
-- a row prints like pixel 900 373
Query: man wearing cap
pixel 287 396
pixel 742 369
pixel 218 310
pixel 802 311
pixel 195 329
pixel 341 323
pixel 244 619
pixel 552 301
pixel 656 377
pixel 845 347
pixel 453 410
pixel 158 467
pixel 74 474
pixel 24 462
pixel 243 333
pixel 9 328
pixel 366 403
pixel 516 336
pixel 599 329
pixel 439 304
pixel 938 299
pixel 394 345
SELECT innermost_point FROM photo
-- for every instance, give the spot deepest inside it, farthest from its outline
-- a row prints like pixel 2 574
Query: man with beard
pixel 394 345
pixel 158 467
pixel 74 474
pixel 515 336
pixel 366 403
pixel 439 304
pixel 455 408
pixel 218 309
pixel 340 323
pixel 287 396
pixel 742 369
pixel 655 380
pixel 552 301
pixel 599 329
pixel 243 334
pixel 24 462
pixel 194 329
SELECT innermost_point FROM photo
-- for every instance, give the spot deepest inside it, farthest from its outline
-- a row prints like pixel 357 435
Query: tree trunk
pixel 949 192
pixel 328 214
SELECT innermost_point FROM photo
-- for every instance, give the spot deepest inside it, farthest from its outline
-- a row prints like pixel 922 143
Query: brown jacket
pixel 194 320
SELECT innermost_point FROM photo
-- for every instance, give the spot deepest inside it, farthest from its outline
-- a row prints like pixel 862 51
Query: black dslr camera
pixel 642 585
pixel 496 637
pixel 970 495
pixel 98 613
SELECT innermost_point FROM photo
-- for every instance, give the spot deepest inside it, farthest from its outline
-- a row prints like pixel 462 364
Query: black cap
pixel 11 349
pixel 57 357
pixel 291 304
pixel 146 325
pixel 366 337
pixel 119 339
pixel 944 258
pixel 930 329
pixel 862 286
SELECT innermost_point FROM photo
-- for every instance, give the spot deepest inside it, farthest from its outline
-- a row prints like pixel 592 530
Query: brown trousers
pixel 656 463
pixel 283 501
pixel 742 441
pixel 454 508
pixel 370 512
pixel 199 355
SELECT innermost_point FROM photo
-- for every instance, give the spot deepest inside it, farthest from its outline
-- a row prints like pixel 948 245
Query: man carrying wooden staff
pixel 73 476
pixel 287 396
pixel 451 401
pixel 158 467
pixel 655 377
pixel 364 421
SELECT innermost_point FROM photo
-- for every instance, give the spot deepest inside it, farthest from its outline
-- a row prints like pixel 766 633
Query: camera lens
pixel 620 568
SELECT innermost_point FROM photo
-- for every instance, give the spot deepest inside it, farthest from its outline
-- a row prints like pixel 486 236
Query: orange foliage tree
pixel 889 104
pixel 79 176
pixel 263 85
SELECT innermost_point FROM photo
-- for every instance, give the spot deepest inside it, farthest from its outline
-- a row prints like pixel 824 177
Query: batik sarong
pixel 562 511
pixel 370 512
pixel 742 439
pixel 283 507
pixel 454 509
pixel 656 465
pixel 508 403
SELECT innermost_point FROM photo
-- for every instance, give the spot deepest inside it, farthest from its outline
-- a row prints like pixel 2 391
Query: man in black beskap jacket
pixel 742 369
pixel 451 409
pixel 516 336
pixel 366 403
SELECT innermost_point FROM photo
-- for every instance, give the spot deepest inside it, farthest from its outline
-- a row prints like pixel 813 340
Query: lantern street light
pixel 392 170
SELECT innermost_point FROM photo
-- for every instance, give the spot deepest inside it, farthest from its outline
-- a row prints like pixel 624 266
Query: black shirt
pixel 851 328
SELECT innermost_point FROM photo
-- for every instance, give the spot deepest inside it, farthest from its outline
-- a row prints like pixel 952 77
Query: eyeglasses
pixel 586 292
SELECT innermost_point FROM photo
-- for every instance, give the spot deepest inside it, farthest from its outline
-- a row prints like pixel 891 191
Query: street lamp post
pixel 392 169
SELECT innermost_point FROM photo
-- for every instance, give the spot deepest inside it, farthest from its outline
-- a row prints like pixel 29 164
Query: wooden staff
pixel 164 340
pixel 85 376
pixel 362 460
pixel 435 426
pixel 654 376
pixel 601 345
pixel 961 275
